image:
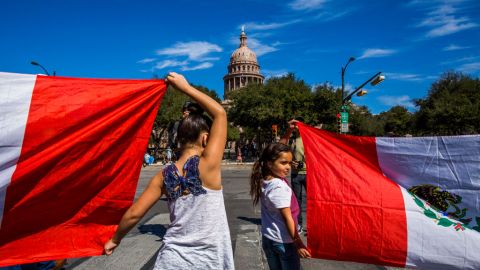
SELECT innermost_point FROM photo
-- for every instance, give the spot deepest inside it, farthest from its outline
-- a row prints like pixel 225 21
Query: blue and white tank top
pixel 198 236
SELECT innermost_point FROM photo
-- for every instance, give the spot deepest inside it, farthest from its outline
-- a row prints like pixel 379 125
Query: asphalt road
pixel 138 249
pixel 240 212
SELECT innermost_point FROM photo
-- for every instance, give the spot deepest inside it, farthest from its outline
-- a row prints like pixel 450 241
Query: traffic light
pixel 339 123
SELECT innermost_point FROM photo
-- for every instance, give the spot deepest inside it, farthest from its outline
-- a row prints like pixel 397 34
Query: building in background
pixel 243 68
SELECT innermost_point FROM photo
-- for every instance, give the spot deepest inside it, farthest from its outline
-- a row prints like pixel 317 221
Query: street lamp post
pixel 351 59
pixel 42 67
pixel 343 115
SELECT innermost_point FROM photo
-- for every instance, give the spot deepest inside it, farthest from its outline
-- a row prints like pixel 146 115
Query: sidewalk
pixel 225 162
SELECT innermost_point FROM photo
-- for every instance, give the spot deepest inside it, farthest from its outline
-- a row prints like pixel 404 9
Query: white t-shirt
pixel 276 194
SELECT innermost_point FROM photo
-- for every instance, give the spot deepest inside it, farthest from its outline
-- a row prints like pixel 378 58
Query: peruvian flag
pixel 406 202
pixel 70 157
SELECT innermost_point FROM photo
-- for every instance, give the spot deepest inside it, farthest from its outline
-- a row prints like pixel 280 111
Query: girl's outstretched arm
pixel 301 248
pixel 212 155
pixel 149 197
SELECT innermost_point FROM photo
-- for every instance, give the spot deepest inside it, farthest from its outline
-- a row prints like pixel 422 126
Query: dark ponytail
pixel 261 170
pixel 191 126
pixel 256 181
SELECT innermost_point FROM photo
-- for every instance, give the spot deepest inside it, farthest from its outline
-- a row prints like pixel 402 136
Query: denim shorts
pixel 281 256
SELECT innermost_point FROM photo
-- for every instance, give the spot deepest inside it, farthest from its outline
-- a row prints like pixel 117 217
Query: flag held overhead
pixel 70 156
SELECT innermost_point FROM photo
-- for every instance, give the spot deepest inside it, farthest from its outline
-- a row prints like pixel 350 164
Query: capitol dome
pixel 243 68
pixel 243 54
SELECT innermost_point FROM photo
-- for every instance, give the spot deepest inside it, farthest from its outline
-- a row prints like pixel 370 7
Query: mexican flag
pixel 405 202
pixel 70 157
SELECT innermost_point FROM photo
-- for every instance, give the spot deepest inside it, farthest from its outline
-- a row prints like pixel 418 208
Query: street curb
pixel 224 163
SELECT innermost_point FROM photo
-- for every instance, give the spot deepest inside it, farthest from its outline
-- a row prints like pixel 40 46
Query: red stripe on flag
pixel 354 213
pixel 79 166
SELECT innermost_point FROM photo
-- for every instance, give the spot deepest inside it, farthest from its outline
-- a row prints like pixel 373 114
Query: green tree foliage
pixel 290 96
pixel 452 107
pixel 232 133
pixel 278 100
pixel 325 106
pixel 363 123
pixel 397 121
pixel 247 106
pixel 172 104
pixel 171 110
pixel 207 91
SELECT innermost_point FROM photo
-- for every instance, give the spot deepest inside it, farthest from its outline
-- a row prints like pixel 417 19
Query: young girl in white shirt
pixel 281 243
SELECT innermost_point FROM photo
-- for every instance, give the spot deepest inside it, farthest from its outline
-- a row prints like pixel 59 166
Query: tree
pixel 452 107
pixel 232 133
pixel 290 97
pixel 171 110
pixel 325 106
pixel 363 123
pixel 209 92
pixel 172 104
pixel 398 120
pixel 247 105
pixel 278 100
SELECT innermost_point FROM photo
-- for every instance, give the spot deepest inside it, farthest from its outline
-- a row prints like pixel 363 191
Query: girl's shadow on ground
pixel 154 229
pixel 256 221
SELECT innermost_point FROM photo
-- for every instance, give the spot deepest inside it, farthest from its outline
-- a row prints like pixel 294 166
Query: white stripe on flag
pixel 449 162
pixel 436 241
pixel 15 97
pixel 432 246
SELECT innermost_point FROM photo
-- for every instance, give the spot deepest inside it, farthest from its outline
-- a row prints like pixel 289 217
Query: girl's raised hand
pixel 177 81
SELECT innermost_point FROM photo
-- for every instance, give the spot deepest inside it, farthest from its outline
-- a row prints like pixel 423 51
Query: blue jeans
pixel 281 256
pixel 31 266
pixel 299 183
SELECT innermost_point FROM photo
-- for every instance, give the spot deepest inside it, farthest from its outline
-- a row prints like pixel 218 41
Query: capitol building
pixel 243 68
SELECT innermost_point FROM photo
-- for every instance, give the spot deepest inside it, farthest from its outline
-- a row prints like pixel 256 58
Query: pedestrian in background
pixel 198 236
pixel 299 169
pixel 147 159
pixel 281 242
pixel 239 154
pixel 169 154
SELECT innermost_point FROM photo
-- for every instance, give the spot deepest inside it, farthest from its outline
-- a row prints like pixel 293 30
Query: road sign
pixel 344 128
pixel 344 117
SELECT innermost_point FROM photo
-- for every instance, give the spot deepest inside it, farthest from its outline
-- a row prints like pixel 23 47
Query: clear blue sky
pixel 411 42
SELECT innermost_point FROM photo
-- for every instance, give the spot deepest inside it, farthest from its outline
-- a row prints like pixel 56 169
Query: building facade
pixel 243 68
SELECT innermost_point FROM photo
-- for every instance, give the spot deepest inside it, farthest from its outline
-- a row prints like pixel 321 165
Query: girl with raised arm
pixel 198 236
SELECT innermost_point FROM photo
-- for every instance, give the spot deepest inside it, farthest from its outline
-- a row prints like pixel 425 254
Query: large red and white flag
pixel 408 202
pixel 70 157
